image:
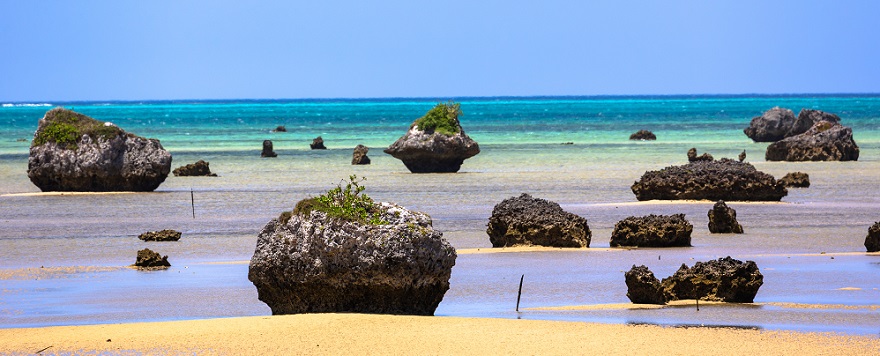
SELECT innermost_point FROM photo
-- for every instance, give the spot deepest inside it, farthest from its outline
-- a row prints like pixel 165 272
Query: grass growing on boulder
pixel 66 128
pixel 442 118
pixel 343 202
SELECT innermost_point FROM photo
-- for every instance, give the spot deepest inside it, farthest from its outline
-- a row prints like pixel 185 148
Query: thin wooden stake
pixel 698 304
pixel 192 199
pixel 519 294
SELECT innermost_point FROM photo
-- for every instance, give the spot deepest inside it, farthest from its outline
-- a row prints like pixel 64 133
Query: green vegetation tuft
pixel 346 203
pixel 442 118
pixel 66 128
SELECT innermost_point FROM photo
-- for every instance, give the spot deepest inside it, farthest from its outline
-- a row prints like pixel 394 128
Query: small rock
pixel 652 231
pixel 163 235
pixel 318 144
pixel 872 241
pixel 359 156
pixel 280 129
pixel 267 149
pixel 742 156
pixel 692 156
pixel 526 221
pixel 200 168
pixel 146 258
pixel 722 220
pixel 795 180
pixel 642 287
pixel 643 135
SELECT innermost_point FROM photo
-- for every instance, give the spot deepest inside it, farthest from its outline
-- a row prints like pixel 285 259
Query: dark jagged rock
pixel 642 287
pixel 652 231
pixel 692 156
pixel 810 117
pixel 268 151
pixel 200 168
pixel 359 156
pixel 795 180
pixel 318 144
pixel 163 235
pixel 723 179
pixel 825 141
pixel 643 135
pixel 742 156
pixel 722 280
pixel 319 264
pixel 280 129
pixel 774 125
pixel 872 241
pixel 73 152
pixel 430 150
pixel 527 221
pixel 722 220
pixel 146 258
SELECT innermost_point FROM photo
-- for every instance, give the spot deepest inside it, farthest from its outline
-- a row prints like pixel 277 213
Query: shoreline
pixel 392 334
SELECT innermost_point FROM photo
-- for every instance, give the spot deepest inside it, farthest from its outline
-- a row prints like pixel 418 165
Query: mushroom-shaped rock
pixel 200 168
pixel 722 220
pixel 692 156
pixel 722 280
pixel 872 241
pixel 642 287
pixel 392 263
pixel 776 124
pixel 318 144
pixel 147 258
pixel 163 235
pixel 73 152
pixel 795 180
pixel 652 231
pixel 268 151
pixel 643 135
pixel 435 143
pixel 359 156
pixel 525 221
pixel 825 141
pixel 724 179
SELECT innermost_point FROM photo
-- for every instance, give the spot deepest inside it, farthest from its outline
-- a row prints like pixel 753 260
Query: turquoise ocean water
pixel 83 242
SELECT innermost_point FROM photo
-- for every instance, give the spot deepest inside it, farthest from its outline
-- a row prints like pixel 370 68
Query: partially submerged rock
pixel 268 151
pixel 73 152
pixel 314 263
pixel 692 156
pixel 652 231
pixel 435 143
pixel 722 220
pixel 200 168
pixel 776 124
pixel 643 135
pixel 318 144
pixel 824 141
pixel 526 221
pixel 795 180
pixel 722 280
pixel 280 128
pixel 149 259
pixel 162 235
pixel 872 241
pixel 359 156
pixel 723 179
pixel 742 156
pixel 642 287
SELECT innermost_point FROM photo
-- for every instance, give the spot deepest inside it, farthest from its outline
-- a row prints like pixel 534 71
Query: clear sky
pixel 217 49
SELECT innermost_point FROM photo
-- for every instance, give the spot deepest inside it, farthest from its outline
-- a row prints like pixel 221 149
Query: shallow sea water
pixel 63 257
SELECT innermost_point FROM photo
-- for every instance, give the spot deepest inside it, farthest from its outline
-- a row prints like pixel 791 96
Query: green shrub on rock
pixel 346 203
pixel 442 118
pixel 66 128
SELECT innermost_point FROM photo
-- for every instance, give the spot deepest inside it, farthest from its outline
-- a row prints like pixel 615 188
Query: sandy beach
pixel 384 334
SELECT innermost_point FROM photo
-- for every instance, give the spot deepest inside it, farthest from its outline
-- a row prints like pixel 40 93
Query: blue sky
pixel 144 50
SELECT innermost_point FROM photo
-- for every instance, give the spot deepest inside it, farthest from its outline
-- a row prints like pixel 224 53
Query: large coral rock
pixel 74 152
pixel 429 151
pixel 872 241
pixel 642 287
pixel 723 280
pixel 525 220
pixel 722 220
pixel 778 123
pixel 723 179
pixel 319 264
pixel 200 168
pixel 652 231
pixel 824 141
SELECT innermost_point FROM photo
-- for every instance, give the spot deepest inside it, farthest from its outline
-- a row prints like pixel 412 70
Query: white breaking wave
pixel 9 105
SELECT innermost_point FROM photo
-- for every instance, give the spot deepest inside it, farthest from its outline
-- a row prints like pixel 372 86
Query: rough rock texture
pixel 722 220
pixel 811 117
pixel 652 231
pixel 722 280
pixel 642 287
pixel 73 152
pixel 433 152
pixel 872 241
pixel 692 156
pixel 163 235
pixel 742 156
pixel 643 135
pixel 268 151
pixel 795 180
pixel 775 124
pixel 146 258
pixel 318 144
pixel 200 168
pixel 825 141
pixel 317 264
pixel 525 220
pixel 280 129
pixel 359 156
pixel 723 179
